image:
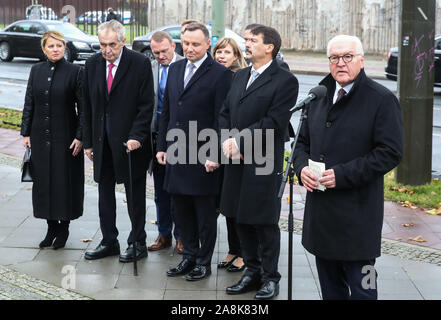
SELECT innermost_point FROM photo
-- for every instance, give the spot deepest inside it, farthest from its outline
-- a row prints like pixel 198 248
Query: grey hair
pixel 344 37
pixel 115 26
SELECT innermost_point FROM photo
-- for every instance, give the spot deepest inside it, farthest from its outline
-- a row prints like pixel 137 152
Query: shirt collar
pixel 199 62
pixel 346 88
pixel 172 60
pixel 117 61
pixel 262 68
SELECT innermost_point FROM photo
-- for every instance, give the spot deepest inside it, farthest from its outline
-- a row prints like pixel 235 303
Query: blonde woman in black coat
pixel 227 52
pixel 51 127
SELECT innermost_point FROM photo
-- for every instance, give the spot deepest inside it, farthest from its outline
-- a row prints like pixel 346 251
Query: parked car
pixel 22 39
pixel 142 43
pixel 391 69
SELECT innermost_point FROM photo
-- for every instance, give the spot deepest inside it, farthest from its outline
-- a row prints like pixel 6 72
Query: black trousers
pixel 260 246
pixel 107 203
pixel 197 219
pixel 347 280
pixel 233 238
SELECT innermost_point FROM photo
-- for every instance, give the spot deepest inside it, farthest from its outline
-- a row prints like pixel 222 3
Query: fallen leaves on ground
pixel 417 239
pixel 435 211
pixel 409 204
pixel 87 240
pixel 407 225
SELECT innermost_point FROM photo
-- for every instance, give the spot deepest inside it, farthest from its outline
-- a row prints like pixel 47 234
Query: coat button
pixel 322 157
pixel 177 123
pixel 48 143
pixel 47 131
pixel 49 79
pixel 100 139
pixel 180 103
pixel 52 68
pixel 46 92
pixel 328 124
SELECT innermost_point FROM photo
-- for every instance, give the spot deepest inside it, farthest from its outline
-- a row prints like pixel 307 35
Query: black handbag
pixel 26 170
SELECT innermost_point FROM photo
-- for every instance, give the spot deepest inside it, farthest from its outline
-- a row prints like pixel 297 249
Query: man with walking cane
pixel 118 94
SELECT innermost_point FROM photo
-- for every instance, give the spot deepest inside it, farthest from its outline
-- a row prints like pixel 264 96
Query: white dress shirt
pixel 197 65
pixel 116 64
pixel 161 67
pixel 259 71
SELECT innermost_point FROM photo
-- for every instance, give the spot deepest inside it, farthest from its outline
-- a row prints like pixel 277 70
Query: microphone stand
pixel 289 174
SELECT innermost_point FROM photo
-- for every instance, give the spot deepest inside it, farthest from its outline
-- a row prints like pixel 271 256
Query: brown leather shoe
pixel 160 243
pixel 179 246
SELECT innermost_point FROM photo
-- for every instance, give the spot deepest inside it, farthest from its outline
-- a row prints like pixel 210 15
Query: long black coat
pixel 249 197
pixel 51 117
pixel 200 101
pixel 124 114
pixel 361 138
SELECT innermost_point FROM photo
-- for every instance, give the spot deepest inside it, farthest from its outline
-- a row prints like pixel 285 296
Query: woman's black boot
pixel 62 235
pixel 51 234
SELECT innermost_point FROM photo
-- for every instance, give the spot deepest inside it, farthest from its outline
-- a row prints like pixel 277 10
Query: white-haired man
pixel 357 132
pixel 118 94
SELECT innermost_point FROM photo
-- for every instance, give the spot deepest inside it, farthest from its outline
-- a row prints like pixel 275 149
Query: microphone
pixel 315 93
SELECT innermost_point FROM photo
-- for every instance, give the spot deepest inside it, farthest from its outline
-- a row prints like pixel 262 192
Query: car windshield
pixel 67 29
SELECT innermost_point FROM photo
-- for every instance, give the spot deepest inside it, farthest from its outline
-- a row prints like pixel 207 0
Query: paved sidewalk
pixel 406 271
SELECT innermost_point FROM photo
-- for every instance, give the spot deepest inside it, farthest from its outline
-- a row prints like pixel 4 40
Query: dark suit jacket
pixel 361 138
pixel 122 115
pixel 200 101
pixel 251 198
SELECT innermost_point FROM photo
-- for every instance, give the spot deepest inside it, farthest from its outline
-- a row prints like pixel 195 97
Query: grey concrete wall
pixel 303 24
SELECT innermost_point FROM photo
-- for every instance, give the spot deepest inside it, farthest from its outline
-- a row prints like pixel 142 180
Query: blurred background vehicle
pixel 22 39
pixel 391 69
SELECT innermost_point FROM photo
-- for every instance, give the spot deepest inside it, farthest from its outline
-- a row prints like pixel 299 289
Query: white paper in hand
pixel 317 169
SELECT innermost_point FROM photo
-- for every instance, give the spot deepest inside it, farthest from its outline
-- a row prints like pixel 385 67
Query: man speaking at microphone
pixel 356 134
pixel 258 102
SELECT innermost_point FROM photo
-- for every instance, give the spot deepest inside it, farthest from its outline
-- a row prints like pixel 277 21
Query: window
pixel 175 33
pixel 37 28
pixel 21 27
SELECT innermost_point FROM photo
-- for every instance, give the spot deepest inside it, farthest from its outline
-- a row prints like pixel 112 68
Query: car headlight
pixel 81 45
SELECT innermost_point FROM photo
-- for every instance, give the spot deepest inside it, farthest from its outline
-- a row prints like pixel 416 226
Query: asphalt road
pixel 14 75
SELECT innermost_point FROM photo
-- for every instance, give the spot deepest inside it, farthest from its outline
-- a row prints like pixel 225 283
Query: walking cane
pixel 130 207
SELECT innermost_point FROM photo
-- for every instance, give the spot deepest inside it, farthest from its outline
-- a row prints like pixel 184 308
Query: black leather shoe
pixel 233 268
pixel 198 273
pixel 102 251
pixel 245 284
pixel 141 252
pixel 62 235
pixel 226 264
pixel 269 290
pixel 184 267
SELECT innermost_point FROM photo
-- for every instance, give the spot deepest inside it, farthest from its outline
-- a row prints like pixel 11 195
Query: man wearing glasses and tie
pixel 356 131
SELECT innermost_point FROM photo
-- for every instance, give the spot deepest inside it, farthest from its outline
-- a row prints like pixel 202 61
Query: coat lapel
pixel 205 67
pixel 263 79
pixel 101 73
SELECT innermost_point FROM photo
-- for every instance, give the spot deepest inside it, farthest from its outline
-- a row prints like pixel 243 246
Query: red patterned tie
pixel 110 78
pixel 341 94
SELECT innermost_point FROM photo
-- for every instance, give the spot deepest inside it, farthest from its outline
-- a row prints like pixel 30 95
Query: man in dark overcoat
pixel 118 109
pixel 258 103
pixel 357 132
pixel 196 88
pixel 163 49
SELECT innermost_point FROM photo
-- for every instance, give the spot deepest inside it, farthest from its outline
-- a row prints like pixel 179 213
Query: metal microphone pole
pixel 289 173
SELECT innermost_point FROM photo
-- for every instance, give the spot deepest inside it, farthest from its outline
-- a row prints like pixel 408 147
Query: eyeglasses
pixel 346 58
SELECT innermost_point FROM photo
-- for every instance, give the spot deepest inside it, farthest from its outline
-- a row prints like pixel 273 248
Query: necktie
pixel 161 89
pixel 191 68
pixel 163 82
pixel 341 94
pixel 110 78
pixel 254 75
